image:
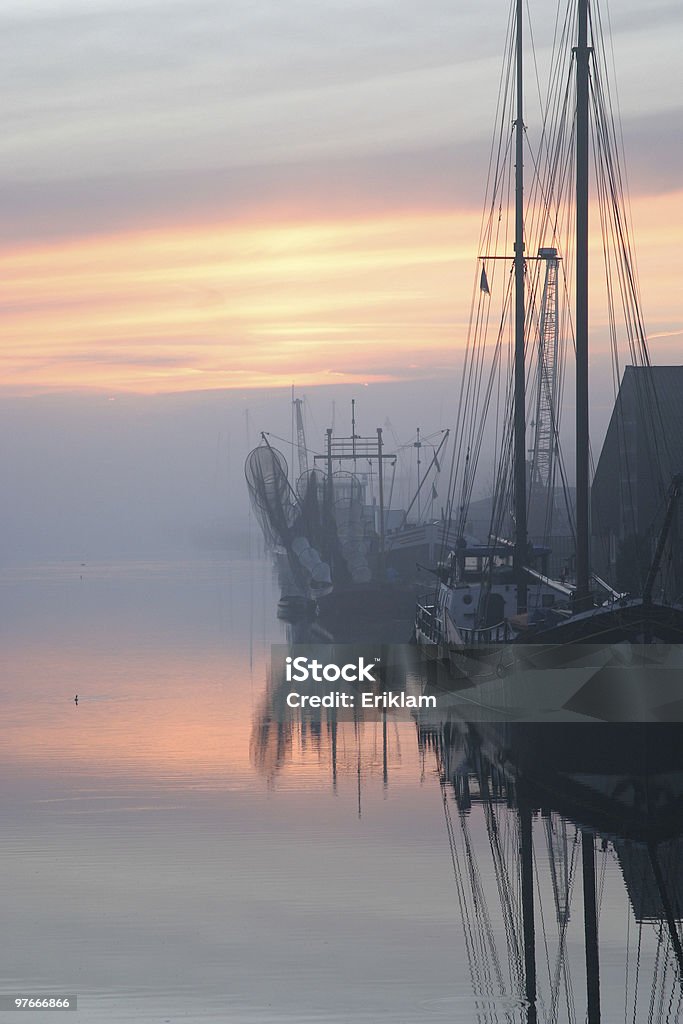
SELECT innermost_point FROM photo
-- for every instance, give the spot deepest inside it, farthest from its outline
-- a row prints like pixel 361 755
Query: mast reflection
pixel 559 803
pixel 318 740
pixel 565 840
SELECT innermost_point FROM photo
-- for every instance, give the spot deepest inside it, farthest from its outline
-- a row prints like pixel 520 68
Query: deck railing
pixel 429 625
pixel 498 634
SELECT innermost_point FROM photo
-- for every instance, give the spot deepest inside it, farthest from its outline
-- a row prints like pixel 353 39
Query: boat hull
pixel 618 682
pixel 374 612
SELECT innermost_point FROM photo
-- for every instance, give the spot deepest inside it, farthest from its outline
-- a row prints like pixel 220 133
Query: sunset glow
pixel 344 300
pixel 224 199
pixel 246 306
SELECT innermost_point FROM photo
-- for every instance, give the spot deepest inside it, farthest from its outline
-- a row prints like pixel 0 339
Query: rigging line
pixel 476 440
pixel 504 887
pixel 670 1004
pixel 562 47
pixel 496 200
pixel 480 410
pixel 601 885
pixel 390 426
pixel 662 984
pixel 658 952
pixel 546 191
pixel 612 217
pixel 499 420
pixel 512 941
pixel 292 444
pixel 571 1002
pixel 486 232
pixel 471 463
pixel 425 439
pixel 308 411
pixel 560 162
pixel 543 927
pixel 628 951
pixel 637 977
pixel 603 187
pixel 460 890
pixel 470 434
pixel 542 182
pixel 457 446
pixel 502 490
pixel 677 1012
pixel 547 201
pixel 619 122
pixel 474 391
pixel 486 933
pixel 621 166
pixel 501 107
pixel 503 471
pixel 550 94
pixel 551 142
pixel 562 917
pixel 529 24
pixel 391 488
pixel 627 263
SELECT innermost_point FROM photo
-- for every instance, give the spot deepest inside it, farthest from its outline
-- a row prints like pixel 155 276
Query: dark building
pixel 642 452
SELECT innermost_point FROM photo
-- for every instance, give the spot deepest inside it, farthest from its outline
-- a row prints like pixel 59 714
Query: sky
pixel 205 203
pixel 202 195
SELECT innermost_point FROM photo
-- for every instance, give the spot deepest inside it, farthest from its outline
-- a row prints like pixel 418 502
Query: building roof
pixel 643 450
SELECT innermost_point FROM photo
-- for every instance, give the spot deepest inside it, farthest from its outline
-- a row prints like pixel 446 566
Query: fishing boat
pixel 502 587
pixel 347 562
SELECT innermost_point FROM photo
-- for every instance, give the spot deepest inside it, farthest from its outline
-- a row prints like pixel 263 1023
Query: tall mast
pixel 582 51
pixel 520 552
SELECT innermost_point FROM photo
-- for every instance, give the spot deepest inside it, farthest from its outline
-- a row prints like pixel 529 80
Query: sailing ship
pixel 501 589
pixel 347 562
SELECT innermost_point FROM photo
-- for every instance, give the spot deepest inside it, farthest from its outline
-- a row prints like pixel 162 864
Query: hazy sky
pixel 208 194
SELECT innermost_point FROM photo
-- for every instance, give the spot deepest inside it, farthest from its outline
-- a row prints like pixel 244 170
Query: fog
pixel 91 477
pixel 103 477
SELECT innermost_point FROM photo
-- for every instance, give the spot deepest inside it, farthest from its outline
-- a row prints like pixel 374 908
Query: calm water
pixel 170 854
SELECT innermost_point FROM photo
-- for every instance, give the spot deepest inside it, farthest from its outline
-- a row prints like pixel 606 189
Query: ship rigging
pixel 503 586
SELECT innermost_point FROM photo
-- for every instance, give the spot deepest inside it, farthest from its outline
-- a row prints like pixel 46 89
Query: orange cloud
pixel 232 306
pixel 263 304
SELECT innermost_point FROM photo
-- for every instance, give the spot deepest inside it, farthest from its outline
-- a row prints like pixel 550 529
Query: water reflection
pixel 315 740
pixel 173 847
pixel 565 842
pixel 333 742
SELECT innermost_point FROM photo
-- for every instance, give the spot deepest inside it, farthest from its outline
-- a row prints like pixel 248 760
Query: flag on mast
pixel 483 281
